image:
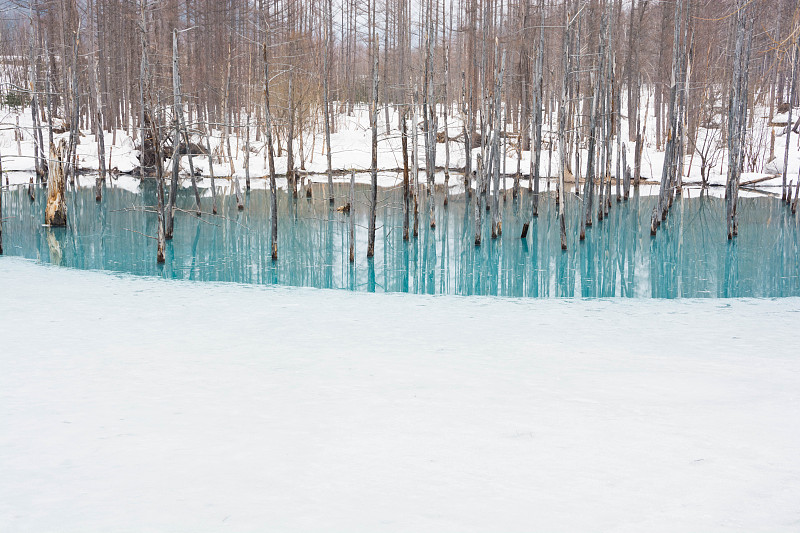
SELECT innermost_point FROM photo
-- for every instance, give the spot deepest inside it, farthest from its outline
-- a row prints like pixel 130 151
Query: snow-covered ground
pixel 138 404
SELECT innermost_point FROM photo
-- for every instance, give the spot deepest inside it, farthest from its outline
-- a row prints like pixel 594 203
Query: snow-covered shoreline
pixel 351 150
pixel 133 404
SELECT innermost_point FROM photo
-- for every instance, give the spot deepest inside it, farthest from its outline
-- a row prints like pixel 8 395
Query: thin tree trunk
pixel 429 122
pixel 478 199
pixel 497 223
pixel 38 155
pixel 788 127
pixel 445 107
pixel 536 108
pixel 670 155
pixel 73 131
pixel 1 204
pixel 98 122
pixel 465 111
pixel 226 140
pixel 326 102
pixel 415 160
pixel 352 216
pixel 176 141
pixel 271 158
pixel 211 173
pixel 374 168
pixel 406 191
pixel 247 152
pixel 290 181
pixel 562 123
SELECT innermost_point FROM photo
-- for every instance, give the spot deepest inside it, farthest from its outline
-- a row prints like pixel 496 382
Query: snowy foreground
pixel 138 404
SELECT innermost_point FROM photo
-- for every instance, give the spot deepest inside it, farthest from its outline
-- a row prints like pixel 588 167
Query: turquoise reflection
pixel 690 257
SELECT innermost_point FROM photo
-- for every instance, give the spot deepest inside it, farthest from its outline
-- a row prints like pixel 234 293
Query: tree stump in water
pixel 56 212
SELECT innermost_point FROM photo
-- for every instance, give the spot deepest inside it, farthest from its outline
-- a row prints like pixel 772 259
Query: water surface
pixel 690 256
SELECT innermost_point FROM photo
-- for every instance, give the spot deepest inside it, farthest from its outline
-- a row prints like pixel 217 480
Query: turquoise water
pixel 690 256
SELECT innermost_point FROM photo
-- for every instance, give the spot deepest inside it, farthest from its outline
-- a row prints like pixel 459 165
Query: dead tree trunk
pixel 150 136
pixel 562 141
pixel 737 114
pixel 588 190
pixel 177 111
pixel 445 107
pixel 226 135
pixel 478 199
pixel 98 123
pixel 247 152
pixel 406 191
pixel 271 158
pixel 1 204
pixel 497 223
pixel 415 159
pixel 670 155
pixel 373 205
pixel 326 103
pixel 536 116
pixel 211 173
pixel 161 237
pixel 429 123
pixel 73 130
pixel 56 212
pixel 353 216
pixel 626 183
pixel 467 127
pixel 39 161
pixel 183 130
pixel 789 123
pixel 290 176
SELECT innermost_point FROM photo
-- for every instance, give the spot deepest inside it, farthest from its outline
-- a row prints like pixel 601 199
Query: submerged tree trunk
pixel 445 107
pixel 536 117
pixel 497 223
pixel 226 134
pixel 56 212
pixel 98 123
pixel 290 176
pixel 177 111
pixel 429 124
pixel 353 216
pixel 373 205
pixel 594 116
pixel 326 102
pixel 478 199
pixel 150 135
pixel 562 141
pixel 415 160
pixel 737 114
pixel 161 237
pixel 669 168
pixel 467 127
pixel 1 204
pixel 789 124
pixel 406 191
pixel 73 130
pixel 271 156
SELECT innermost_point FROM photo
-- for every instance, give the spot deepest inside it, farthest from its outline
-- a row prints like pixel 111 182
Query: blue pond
pixel 690 256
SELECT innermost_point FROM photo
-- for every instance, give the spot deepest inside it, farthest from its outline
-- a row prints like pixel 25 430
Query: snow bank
pixel 139 404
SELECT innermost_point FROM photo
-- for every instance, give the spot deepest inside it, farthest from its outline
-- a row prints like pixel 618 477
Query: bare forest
pixel 571 80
